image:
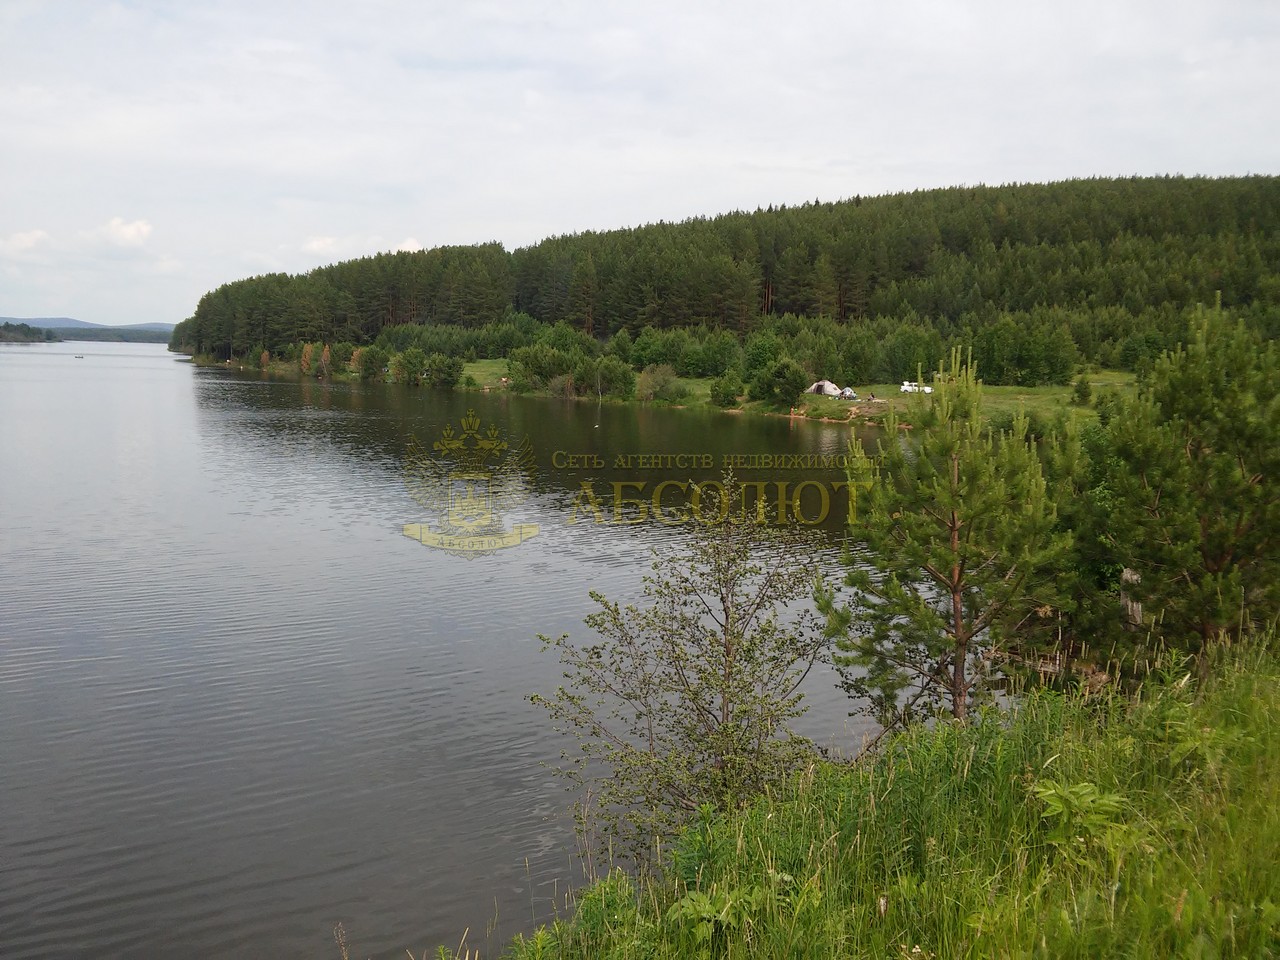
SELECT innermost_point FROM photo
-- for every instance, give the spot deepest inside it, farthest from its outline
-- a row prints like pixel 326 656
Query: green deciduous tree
pixel 780 383
pixel 685 699
pixel 726 389
pixel 373 361
pixel 442 372
pixel 408 366
pixel 605 377
pixel 959 538
pixel 659 382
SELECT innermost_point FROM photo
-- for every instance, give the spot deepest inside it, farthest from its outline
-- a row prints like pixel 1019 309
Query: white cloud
pixel 132 234
pixel 321 246
pixel 117 233
pixel 18 245
pixel 273 141
pixel 326 249
pixel 409 245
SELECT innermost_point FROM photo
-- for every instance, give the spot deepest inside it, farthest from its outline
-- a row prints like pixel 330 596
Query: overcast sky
pixel 150 151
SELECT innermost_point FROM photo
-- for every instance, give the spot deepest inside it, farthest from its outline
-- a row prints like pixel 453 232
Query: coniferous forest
pixel 1116 581
pixel 1034 278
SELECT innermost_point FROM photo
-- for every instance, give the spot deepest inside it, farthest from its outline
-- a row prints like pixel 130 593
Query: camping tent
pixel 824 388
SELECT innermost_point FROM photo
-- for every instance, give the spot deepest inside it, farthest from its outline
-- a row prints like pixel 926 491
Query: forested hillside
pixel 1035 278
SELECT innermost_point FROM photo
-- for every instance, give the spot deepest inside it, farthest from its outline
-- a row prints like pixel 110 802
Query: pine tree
pixel 958 529
pixel 584 295
pixel 1194 461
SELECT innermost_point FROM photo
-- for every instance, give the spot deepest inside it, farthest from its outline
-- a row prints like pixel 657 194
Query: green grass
pixel 699 389
pixel 1044 404
pixel 1070 826
pixel 488 373
pixel 827 408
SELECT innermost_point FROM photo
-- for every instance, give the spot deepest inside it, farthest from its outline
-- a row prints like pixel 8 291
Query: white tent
pixel 824 388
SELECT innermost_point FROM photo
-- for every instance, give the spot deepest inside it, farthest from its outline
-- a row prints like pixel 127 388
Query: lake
pixel 238 704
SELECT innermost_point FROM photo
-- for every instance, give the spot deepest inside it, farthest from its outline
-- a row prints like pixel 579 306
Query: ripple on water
pixel 240 705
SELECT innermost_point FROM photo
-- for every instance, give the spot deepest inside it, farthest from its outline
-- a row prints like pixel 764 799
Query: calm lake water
pixel 238 705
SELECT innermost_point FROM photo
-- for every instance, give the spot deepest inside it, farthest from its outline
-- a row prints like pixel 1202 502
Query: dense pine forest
pixel 1036 279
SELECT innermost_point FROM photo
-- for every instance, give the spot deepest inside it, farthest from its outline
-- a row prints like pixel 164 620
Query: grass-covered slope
pixel 1070 826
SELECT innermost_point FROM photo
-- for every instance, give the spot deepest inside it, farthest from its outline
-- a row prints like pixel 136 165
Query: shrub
pixel 726 389
pixel 605 376
pixel 443 372
pixel 342 352
pixel 780 383
pixel 409 366
pixel 659 382
pixel 1082 393
pixel 539 364
pixel 373 363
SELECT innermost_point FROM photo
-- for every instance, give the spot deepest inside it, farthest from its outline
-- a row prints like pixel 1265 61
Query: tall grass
pixel 1142 825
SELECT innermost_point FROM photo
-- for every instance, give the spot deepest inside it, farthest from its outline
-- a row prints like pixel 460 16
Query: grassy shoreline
pixel 1001 402
pixel 1139 824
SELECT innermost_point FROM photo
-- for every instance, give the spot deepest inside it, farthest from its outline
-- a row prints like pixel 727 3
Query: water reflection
pixel 240 705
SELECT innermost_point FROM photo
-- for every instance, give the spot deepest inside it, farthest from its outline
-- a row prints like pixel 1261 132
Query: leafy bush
pixel 659 382
pixel 762 350
pixel 409 366
pixel 1082 392
pixel 534 367
pixel 726 389
pixel 715 628
pixel 568 340
pixel 373 363
pixel 780 383
pixel 443 372
pixel 606 376
pixel 653 347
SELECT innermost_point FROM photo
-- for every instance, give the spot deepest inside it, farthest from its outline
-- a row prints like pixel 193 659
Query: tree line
pixel 1033 279
pixel 25 333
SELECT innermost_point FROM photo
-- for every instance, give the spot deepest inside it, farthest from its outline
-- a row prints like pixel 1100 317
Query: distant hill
pixel 1035 279
pixel 68 328
pixel 67 323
